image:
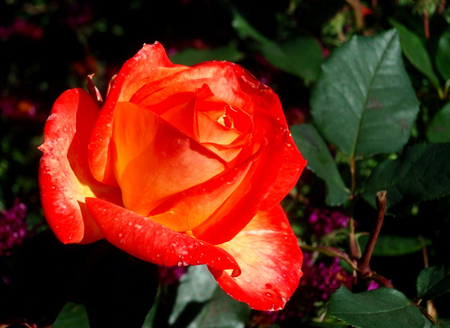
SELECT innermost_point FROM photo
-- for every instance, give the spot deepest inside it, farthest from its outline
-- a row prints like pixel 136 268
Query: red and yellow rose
pixel 181 165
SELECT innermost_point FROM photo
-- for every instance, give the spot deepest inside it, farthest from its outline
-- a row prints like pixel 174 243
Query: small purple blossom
pixel 373 285
pixel 23 28
pixel 325 279
pixel 13 228
pixel 171 274
pixel 319 281
pixel 79 16
pixel 22 108
pixel 324 221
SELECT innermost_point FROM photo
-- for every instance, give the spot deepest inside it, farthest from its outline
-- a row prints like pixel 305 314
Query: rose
pixel 182 165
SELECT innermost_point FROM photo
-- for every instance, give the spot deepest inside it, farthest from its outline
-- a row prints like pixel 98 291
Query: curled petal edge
pixel 270 259
pixel 150 241
pixel 64 175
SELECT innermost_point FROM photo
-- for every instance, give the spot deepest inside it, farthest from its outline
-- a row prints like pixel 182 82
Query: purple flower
pixel 171 274
pixel 324 221
pixel 319 281
pixel 23 28
pixel 13 228
pixel 23 108
pixel 78 16
pixel 323 279
pixel 373 285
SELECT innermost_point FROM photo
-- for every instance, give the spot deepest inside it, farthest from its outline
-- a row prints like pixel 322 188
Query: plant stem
pixel 363 264
pixel 356 6
pixel 442 7
pixel 431 308
pixel 354 249
pixel 426 24
pixel 353 176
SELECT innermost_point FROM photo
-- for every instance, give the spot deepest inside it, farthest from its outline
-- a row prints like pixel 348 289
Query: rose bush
pixel 181 166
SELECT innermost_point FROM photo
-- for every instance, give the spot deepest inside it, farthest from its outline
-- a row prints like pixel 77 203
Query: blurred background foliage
pixel 48 46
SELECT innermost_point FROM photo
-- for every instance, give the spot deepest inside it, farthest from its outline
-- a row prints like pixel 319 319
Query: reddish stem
pixel 363 264
pixel 426 24
pixel 442 6
pixel 354 249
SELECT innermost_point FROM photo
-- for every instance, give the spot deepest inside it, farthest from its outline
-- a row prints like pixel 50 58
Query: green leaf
pixel 439 128
pixel 222 312
pixel 300 56
pixel 363 101
pixel 421 173
pixel 379 308
pixel 415 51
pixel 444 323
pixel 72 315
pixel 316 152
pixel 244 29
pixel 433 282
pixel 201 303
pixel 196 286
pixel 191 56
pixel 391 245
pixel 149 321
pixel 327 323
pixel 443 55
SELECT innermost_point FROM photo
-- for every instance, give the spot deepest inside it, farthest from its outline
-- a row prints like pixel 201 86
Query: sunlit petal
pixel 153 160
pixel 152 242
pixel 270 260
pixel 64 176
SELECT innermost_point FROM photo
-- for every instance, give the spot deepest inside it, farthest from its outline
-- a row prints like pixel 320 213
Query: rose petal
pixel 152 242
pixel 186 113
pixel 221 130
pixel 274 174
pixel 267 119
pixel 293 165
pixel 153 160
pixel 64 175
pixel 150 63
pixel 201 120
pixel 219 76
pixel 245 202
pixel 263 97
pixel 189 208
pixel 270 261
